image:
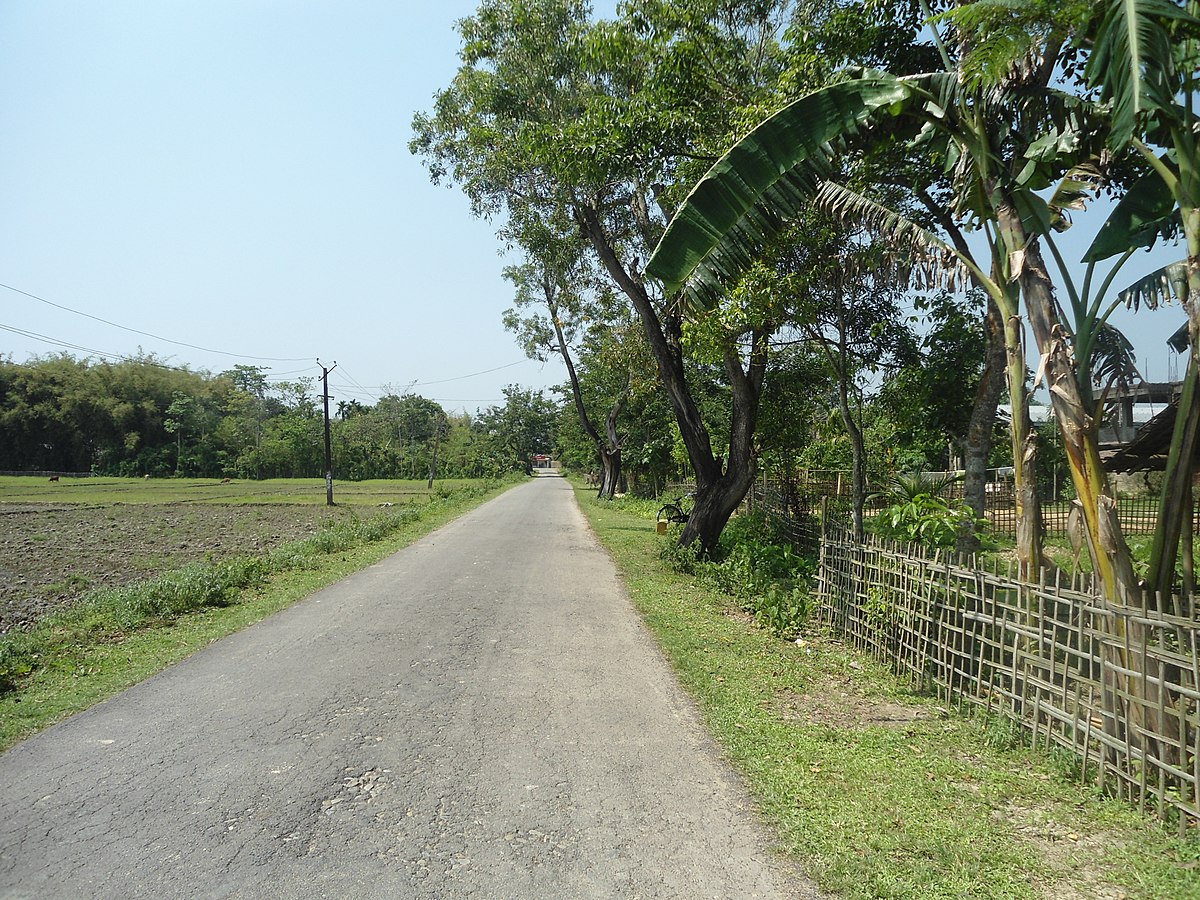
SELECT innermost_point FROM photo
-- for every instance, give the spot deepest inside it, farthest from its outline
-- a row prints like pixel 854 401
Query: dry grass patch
pixel 836 703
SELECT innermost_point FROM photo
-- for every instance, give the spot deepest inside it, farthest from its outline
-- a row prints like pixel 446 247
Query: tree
pixel 522 428
pixel 181 417
pixel 556 281
pixel 550 112
pixel 824 284
pixel 931 396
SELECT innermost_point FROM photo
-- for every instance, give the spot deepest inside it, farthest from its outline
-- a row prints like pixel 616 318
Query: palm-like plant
pixel 1144 62
pixel 786 163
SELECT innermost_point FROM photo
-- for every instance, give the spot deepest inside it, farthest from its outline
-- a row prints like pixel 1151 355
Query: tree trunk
pixel 608 447
pixel 1151 708
pixel 718 493
pixel 979 431
pixel 610 473
pixel 610 453
pixel 1174 515
pixel 712 511
pixel 1030 536
pixel 858 451
pixel 1076 419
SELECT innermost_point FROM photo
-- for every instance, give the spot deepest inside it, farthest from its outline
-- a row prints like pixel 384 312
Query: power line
pixel 121 357
pixel 157 337
pixel 56 342
pixel 472 375
pixel 357 385
pixel 413 384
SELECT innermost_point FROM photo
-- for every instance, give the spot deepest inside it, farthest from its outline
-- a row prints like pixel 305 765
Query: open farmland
pixel 59 540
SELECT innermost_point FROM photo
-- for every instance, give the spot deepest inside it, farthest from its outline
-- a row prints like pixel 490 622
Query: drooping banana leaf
pixel 927 256
pixel 762 182
pixel 1113 362
pixel 1164 285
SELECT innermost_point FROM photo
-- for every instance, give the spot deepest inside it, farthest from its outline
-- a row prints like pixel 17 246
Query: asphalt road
pixel 479 715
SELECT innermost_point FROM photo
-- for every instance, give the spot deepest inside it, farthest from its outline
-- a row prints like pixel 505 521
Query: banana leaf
pixel 762 182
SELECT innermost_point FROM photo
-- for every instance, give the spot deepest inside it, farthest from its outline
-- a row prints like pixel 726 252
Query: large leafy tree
pixel 523 427
pixel 550 111
pixel 930 397
pixel 560 302
pixel 1009 141
pixel 826 283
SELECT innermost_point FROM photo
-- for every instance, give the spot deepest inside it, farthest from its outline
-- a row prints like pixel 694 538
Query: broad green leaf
pixel 1132 63
pixel 1145 213
pixel 765 179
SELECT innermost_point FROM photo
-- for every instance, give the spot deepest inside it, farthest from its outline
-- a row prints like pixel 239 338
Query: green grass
pixel 935 805
pixel 36 489
pixel 116 638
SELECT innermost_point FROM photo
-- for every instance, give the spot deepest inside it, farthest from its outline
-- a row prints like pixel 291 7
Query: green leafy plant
pixel 681 560
pixel 784 610
pixel 917 513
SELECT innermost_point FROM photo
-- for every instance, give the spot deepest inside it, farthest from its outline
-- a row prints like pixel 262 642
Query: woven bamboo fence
pixel 1118 686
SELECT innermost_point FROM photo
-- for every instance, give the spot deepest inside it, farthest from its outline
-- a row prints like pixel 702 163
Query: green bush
pixel 17 659
pixel 750 566
pixel 922 519
pixel 782 609
pixel 917 513
pixel 757 564
pixel 681 560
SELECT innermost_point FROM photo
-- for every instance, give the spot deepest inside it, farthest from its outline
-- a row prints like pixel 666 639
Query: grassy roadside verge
pixel 874 791
pixel 118 637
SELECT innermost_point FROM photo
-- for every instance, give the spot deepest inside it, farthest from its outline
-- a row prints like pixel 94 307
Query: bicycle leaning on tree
pixel 675 513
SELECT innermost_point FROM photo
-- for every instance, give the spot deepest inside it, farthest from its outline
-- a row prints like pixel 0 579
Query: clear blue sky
pixel 234 174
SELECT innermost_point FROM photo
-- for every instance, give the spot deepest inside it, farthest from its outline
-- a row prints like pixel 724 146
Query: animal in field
pixel 54 478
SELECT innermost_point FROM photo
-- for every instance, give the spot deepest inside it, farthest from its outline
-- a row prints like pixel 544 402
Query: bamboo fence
pixel 1117 685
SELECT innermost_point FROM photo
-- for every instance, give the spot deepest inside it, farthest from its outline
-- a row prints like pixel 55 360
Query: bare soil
pixel 53 554
pixel 836 704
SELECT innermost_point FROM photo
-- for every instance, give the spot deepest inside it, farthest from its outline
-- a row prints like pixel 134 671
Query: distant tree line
pixel 140 417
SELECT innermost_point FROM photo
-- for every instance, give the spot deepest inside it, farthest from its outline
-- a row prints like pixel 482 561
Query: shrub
pixel 751 566
pixel 681 560
pixel 917 513
pixel 782 609
pixel 17 659
pixel 922 519
pixel 757 564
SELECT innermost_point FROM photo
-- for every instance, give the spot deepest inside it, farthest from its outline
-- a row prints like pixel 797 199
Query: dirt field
pixel 52 555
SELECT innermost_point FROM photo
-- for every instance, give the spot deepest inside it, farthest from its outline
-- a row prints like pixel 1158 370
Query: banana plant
pixel 1144 61
pixel 788 162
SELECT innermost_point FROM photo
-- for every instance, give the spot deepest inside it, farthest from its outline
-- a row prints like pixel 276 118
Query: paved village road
pixel 479 715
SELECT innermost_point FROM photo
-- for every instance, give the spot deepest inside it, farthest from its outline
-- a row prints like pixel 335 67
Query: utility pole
pixel 328 446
